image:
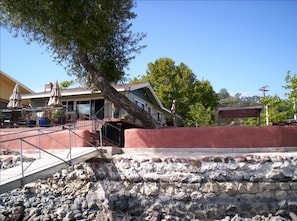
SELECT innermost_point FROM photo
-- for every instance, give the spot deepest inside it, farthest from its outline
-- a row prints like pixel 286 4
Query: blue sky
pixel 237 45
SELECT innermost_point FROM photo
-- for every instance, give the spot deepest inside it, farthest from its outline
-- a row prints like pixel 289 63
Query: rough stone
pixel 210 188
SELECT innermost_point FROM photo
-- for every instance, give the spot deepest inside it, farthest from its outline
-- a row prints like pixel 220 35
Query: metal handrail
pixel 22 140
pixel 99 111
pixel 19 132
pixel 28 136
pixel 100 150
pixel 105 135
pixel 40 132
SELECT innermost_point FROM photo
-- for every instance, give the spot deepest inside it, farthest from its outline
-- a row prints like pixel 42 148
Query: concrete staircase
pixel 94 139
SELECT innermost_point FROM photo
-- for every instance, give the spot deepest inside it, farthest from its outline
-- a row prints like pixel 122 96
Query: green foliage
pixel 223 94
pixel 92 38
pixel 281 109
pixel 270 100
pixel 178 82
pixel 226 100
pixel 278 110
pixel 57 113
pixel 291 85
pixel 205 94
pixel 199 115
pixel 66 84
pixel 97 29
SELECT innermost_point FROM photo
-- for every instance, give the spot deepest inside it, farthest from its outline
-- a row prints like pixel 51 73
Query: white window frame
pixel 142 106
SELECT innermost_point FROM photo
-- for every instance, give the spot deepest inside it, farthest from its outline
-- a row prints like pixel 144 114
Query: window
pixel 159 117
pixel 116 113
pixel 140 104
pixel 69 105
pixel 83 107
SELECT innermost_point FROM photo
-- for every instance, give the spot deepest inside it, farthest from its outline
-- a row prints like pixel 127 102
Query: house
pixel 7 84
pixel 83 104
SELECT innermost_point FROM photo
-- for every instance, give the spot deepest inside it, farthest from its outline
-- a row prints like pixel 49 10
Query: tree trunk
pixel 110 93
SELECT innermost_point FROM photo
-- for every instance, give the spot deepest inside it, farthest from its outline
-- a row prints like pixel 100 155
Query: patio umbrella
pixel 15 100
pixel 55 97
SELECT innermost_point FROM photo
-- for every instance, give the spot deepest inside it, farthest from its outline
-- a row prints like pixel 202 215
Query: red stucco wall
pixel 47 139
pixel 219 137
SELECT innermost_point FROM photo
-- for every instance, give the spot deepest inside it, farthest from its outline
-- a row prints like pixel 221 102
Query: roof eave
pixel 17 82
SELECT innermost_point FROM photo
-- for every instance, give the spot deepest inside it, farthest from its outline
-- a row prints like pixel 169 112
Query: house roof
pixel 16 82
pixel 86 91
pixel 64 92
pixel 239 112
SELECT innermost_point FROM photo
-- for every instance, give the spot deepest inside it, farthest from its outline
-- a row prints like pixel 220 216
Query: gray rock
pixel 18 213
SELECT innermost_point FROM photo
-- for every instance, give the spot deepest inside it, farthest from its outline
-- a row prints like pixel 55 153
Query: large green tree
pixel 92 38
pixel 278 110
pixel 291 85
pixel 178 82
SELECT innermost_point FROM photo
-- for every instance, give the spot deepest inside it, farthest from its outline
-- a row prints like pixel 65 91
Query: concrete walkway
pixel 199 153
pixel 46 164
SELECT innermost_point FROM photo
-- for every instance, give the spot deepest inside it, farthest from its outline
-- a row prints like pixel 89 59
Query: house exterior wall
pixel 112 111
pixel 42 102
pixel 6 87
pixel 39 102
pixel 157 114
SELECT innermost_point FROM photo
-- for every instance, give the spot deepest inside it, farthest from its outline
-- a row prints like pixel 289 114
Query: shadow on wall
pixel 120 201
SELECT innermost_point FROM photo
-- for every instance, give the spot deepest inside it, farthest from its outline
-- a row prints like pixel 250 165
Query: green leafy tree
pixel 178 82
pixel 223 94
pixel 226 100
pixel 291 85
pixel 92 38
pixel 200 115
pixel 278 109
pixel 66 84
pixel 281 109
pixel 205 94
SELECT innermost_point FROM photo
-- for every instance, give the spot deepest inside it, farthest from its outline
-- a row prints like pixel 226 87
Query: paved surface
pixel 45 165
pixel 198 153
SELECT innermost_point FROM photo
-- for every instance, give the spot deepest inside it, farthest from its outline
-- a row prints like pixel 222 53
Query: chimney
pixel 48 87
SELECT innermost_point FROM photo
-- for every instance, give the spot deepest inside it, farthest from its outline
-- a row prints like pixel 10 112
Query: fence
pixel 23 138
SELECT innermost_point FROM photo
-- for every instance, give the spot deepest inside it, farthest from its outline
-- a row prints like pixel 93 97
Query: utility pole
pixel 264 90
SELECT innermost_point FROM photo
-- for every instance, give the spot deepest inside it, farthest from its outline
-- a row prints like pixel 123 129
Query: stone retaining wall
pixel 208 188
pixel 164 188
